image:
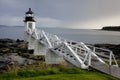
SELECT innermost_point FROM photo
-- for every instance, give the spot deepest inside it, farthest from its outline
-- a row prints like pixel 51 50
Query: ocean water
pixel 83 35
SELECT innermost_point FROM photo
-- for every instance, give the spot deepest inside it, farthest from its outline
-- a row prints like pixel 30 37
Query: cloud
pixel 52 22
pixel 96 24
pixel 48 22
pixel 40 21
pixel 62 13
pixel 11 20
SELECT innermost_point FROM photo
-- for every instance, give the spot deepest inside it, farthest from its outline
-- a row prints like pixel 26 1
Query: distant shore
pixel 111 28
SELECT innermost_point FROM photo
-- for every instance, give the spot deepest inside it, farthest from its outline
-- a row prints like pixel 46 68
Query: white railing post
pixel 110 58
pixel 89 59
pixel 112 55
pixel 93 49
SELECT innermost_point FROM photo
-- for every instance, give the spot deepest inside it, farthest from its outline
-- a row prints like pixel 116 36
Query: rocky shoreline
pixel 14 53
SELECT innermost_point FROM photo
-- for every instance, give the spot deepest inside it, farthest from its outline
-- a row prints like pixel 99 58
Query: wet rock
pixel 14 55
pixel 22 45
pixel 4 64
pixel 4 50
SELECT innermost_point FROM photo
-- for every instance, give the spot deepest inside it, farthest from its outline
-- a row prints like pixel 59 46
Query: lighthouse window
pixel 30 25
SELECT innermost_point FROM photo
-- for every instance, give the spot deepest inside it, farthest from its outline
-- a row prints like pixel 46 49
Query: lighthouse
pixel 29 24
pixel 29 21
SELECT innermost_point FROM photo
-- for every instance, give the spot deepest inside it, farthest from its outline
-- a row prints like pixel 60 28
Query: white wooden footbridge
pixel 56 50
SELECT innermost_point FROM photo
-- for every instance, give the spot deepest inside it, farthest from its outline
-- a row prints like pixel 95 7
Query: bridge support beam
pixel 53 58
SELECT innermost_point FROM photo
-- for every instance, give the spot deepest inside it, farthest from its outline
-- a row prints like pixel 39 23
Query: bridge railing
pixel 77 53
pixel 104 54
pixel 86 53
pixel 54 39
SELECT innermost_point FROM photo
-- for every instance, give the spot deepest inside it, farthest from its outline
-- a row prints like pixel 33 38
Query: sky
pixel 76 14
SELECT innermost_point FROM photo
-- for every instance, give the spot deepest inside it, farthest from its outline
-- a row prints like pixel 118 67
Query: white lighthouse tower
pixel 29 21
pixel 29 28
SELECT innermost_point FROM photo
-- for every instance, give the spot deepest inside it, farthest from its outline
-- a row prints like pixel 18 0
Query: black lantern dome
pixel 29 16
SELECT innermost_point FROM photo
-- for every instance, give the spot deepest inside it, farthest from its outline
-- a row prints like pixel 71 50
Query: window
pixel 30 25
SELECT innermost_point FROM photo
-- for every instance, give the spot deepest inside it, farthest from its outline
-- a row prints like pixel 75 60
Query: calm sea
pixel 83 35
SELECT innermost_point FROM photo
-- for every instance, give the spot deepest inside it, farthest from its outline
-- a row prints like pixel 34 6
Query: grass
pixel 70 77
pixel 53 73
pixel 42 71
